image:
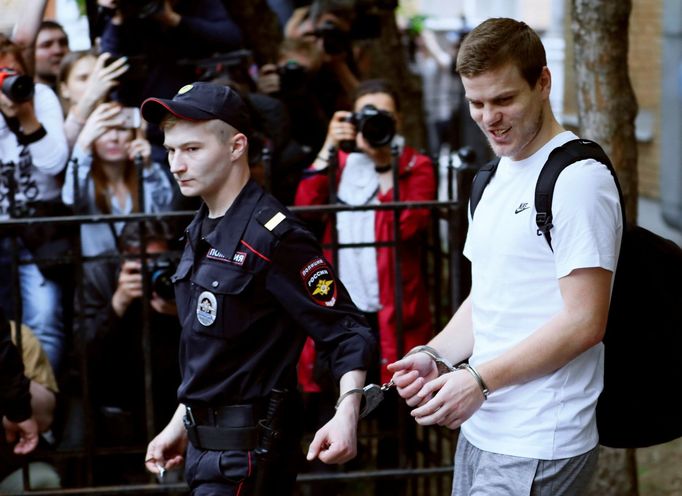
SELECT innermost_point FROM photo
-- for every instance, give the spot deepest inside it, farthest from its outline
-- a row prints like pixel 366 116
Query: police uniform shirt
pixel 248 295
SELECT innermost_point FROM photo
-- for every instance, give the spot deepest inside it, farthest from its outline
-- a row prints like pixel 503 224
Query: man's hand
pixel 448 400
pixel 26 432
pixel 336 441
pixel 410 374
pixel 129 286
pixel 167 450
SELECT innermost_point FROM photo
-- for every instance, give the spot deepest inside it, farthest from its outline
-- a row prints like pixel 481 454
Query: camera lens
pixel 161 283
pixel 18 88
pixel 376 126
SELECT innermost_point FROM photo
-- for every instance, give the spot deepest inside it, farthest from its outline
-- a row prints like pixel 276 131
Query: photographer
pixel 365 177
pixel 157 34
pixel 104 157
pixel 108 330
pixel 85 79
pixel 32 142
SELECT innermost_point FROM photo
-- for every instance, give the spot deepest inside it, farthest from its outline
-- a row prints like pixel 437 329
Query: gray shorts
pixel 481 473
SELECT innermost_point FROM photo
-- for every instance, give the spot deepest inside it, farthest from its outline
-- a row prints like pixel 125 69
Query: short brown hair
pixel 498 41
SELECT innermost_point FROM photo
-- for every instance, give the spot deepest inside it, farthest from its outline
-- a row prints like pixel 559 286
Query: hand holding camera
pixel 268 79
pixel 369 131
pixel 159 272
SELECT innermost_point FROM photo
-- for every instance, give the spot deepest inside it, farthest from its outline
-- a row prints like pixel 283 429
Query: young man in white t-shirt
pixel 532 326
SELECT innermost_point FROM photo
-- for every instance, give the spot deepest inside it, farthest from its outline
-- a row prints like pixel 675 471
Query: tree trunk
pixel 387 58
pixel 606 101
pixel 607 109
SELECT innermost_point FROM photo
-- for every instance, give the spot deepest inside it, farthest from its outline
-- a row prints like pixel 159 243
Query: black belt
pixel 222 428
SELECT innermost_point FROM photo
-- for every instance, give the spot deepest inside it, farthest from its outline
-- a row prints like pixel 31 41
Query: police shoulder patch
pixel 273 220
pixel 319 282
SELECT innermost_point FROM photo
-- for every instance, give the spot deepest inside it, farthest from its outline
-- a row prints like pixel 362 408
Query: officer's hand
pixel 336 441
pixel 25 432
pixel 268 79
pixel 129 286
pixel 167 450
pixel 410 374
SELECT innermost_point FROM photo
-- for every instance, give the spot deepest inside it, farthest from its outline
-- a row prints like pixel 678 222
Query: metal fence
pixel 424 454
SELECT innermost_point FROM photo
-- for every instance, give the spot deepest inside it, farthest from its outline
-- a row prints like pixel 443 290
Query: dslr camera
pixel 292 77
pixel 377 127
pixel 17 87
pixel 160 270
pixel 334 40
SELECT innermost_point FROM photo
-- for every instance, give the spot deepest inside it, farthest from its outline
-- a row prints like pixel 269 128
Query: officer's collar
pixel 224 238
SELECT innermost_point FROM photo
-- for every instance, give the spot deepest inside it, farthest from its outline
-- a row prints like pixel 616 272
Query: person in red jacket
pixel 365 177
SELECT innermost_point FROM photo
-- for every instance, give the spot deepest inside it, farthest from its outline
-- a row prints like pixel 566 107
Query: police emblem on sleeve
pixel 207 308
pixel 319 282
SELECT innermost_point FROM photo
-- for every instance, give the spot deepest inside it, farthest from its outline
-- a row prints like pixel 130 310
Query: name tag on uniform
pixel 207 308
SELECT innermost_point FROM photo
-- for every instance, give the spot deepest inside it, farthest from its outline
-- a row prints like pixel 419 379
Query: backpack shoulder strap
pixel 560 158
pixel 481 180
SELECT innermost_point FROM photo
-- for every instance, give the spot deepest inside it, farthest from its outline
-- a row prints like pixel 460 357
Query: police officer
pixel 251 285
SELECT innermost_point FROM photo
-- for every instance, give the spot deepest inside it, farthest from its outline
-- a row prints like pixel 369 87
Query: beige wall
pixel 644 62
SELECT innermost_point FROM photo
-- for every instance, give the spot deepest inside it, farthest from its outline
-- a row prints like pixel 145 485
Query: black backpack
pixel 643 341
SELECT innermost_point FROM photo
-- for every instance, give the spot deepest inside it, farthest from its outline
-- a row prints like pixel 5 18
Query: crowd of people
pixel 78 145
pixel 74 141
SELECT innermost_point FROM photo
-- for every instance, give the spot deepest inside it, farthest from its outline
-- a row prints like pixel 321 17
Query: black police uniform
pixel 248 295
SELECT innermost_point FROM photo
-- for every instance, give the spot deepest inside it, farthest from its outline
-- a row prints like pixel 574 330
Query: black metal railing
pixel 426 454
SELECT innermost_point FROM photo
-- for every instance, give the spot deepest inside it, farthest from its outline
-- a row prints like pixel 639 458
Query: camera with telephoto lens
pixel 16 87
pixel 160 271
pixel 377 127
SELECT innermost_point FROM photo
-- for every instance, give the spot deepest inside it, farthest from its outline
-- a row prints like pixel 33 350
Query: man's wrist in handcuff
pixel 443 366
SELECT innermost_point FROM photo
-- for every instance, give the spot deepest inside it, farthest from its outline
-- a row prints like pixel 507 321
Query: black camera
pixel 16 87
pixel 140 9
pixel 160 271
pixel 293 77
pixel 377 127
pixel 334 39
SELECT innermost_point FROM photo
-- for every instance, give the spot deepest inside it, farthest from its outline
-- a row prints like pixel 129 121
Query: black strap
pixel 560 158
pixel 481 180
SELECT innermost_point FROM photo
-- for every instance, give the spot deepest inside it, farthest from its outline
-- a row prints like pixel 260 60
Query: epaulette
pixel 274 220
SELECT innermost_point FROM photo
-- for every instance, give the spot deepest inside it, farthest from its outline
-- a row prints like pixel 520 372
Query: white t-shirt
pixel 37 167
pixel 515 290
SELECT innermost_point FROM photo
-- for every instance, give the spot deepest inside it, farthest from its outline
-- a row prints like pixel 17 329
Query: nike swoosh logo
pixel 521 209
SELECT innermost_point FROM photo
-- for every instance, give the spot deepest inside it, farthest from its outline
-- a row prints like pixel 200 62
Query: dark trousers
pixel 232 473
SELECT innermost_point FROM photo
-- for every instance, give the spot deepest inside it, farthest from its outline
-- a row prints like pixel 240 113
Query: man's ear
pixel 239 146
pixel 545 81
